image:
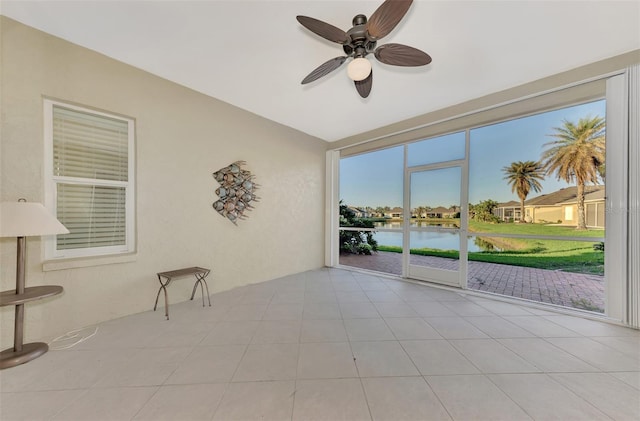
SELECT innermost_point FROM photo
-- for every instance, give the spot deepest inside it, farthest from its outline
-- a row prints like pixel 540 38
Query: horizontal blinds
pixel 94 215
pixel 90 146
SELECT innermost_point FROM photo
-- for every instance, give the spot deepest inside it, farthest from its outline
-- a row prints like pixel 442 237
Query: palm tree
pixel 577 155
pixel 524 177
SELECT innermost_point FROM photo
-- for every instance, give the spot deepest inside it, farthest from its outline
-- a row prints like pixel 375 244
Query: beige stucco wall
pixel 548 214
pixel 182 137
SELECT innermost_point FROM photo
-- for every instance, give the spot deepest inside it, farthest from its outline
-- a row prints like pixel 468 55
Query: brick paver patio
pixel 568 289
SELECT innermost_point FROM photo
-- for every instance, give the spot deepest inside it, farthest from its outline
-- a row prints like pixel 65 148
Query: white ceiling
pixel 253 54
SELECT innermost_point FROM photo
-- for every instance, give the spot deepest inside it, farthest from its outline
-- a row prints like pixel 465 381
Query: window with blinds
pixel 90 180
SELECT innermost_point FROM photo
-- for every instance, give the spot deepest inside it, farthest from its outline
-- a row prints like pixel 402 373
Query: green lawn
pixel 569 256
pixel 532 229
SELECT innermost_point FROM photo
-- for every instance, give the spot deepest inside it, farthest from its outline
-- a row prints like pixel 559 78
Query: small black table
pixel 198 272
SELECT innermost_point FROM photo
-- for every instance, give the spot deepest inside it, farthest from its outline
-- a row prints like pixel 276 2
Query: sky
pixel 376 178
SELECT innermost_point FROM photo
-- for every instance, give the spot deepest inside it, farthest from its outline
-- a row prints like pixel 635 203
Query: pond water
pixel 425 239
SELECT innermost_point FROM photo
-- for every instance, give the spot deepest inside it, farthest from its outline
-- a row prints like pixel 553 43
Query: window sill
pixel 83 262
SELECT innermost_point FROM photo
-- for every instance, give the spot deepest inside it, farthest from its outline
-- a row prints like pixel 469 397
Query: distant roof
pixel 396 210
pixel 589 196
pixel 440 209
pixel 510 204
pixel 566 195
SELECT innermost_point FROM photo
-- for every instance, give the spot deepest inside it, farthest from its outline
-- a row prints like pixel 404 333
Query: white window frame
pixel 51 181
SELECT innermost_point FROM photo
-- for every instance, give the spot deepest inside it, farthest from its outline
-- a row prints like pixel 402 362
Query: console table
pixel 22 353
pixel 165 279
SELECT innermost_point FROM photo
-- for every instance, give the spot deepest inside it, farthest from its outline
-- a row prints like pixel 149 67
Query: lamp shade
pixel 359 69
pixel 24 219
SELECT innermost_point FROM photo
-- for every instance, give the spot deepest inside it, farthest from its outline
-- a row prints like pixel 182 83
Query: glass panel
pixel 534 160
pixel 522 181
pixel 435 211
pixel 94 215
pixel 373 181
pixel 566 273
pixel 438 149
pixel 371 187
pixel 89 146
pixel 435 249
pixel 435 197
pixel 387 259
pixel 388 240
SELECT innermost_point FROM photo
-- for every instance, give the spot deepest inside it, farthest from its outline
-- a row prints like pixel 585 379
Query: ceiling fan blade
pixel 364 86
pixel 401 55
pixel 386 17
pixel 324 29
pixel 324 69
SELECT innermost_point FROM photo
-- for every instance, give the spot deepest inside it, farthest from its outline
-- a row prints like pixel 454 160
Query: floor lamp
pixel 22 219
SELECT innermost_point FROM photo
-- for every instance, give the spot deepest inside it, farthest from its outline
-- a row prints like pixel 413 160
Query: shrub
pixel 364 248
pixel 356 242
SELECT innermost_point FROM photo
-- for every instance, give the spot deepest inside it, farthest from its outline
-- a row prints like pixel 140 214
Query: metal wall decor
pixel 236 191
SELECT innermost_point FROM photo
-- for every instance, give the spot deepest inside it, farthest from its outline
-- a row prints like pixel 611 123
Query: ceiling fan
pixel 361 40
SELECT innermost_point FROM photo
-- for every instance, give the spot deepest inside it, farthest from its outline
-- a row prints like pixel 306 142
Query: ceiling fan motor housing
pixel 361 43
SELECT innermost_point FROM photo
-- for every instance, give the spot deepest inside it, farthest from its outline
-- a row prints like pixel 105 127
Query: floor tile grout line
pixel 352 353
pixel 509 397
pixel 295 380
pixel 463 355
pixel 571 353
pixel 585 401
pixel 80 395
pixel 355 363
pixel 366 399
pixel 556 347
pixel 227 385
pixel 610 374
pixel 158 387
pixel 437 397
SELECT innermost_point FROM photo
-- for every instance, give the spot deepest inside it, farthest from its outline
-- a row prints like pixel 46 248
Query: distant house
pixel 508 211
pixel 394 213
pixel 594 203
pixel 415 214
pixel 358 212
pixel 441 212
pixel 558 207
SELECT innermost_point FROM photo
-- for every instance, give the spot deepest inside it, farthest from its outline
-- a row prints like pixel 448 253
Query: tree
pixel 524 177
pixel 577 155
pixel 421 210
pixel 483 211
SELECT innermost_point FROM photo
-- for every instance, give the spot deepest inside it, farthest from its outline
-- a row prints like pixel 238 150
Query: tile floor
pixel 333 344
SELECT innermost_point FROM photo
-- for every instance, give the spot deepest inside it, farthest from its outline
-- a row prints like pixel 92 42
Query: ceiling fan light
pixel 359 69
